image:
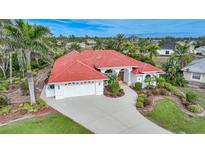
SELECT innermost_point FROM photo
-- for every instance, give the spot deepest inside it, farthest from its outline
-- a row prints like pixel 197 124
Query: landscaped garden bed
pixel 147 96
pixel 113 88
pixel 10 112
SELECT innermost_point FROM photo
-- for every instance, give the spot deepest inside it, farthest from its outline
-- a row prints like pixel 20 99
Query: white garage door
pixel 79 89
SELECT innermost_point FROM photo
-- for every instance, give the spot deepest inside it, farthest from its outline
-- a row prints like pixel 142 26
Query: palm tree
pixel 153 50
pixel 119 39
pixel 75 46
pixel 30 38
pixel 99 45
pixel 181 52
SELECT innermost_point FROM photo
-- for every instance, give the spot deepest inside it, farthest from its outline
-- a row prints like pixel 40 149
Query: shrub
pixel 141 97
pixel 3 101
pixel 147 102
pixel 148 93
pixel 163 92
pixel 41 103
pixel 24 87
pixel 139 104
pixel 155 91
pixel 115 87
pixel 4 85
pixel 194 108
pixel 184 101
pixel 27 107
pixel 169 87
pixel 191 97
pixel 138 86
pixel 5 110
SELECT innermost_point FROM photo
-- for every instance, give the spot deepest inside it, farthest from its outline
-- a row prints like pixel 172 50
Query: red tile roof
pixel 146 68
pixel 76 66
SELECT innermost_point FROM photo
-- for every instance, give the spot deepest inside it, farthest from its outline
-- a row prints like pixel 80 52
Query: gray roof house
pixel 167 49
pixel 194 72
pixel 200 50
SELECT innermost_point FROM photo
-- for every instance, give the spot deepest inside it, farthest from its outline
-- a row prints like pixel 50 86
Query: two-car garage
pixel 73 89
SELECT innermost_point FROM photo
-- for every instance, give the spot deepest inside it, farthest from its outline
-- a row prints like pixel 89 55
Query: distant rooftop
pixel 196 66
pixel 169 45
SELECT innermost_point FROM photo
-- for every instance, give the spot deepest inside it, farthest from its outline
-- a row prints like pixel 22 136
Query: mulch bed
pixel 108 93
pixel 155 98
pixel 22 115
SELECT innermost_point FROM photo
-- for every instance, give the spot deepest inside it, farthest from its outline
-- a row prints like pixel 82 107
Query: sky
pixel 112 27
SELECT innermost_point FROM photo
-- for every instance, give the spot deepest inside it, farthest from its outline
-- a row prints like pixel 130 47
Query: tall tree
pixel 181 52
pixel 30 38
pixel 153 50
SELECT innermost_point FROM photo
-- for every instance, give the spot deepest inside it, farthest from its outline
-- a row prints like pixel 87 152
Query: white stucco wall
pixel 162 52
pixel 141 77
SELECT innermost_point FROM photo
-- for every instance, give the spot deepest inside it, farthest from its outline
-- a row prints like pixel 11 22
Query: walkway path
pixel 104 115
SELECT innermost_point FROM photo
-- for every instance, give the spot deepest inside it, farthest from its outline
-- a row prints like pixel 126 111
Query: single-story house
pixel 81 44
pixel 195 72
pixel 167 49
pixel 200 50
pixel 84 73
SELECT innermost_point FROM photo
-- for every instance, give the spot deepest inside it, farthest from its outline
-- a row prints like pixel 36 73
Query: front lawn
pixel 168 115
pixel 50 124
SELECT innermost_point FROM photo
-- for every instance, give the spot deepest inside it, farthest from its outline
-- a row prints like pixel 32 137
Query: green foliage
pixel 3 101
pixel 4 85
pixel 138 86
pixel 139 104
pixel 141 97
pixel 141 57
pixel 115 87
pixel 142 101
pixel 27 107
pixel 112 78
pixel 169 115
pixel 194 108
pixel 5 110
pixel 191 97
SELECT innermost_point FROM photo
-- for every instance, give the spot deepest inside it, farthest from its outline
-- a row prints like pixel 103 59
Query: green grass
pixel 168 115
pixel 199 92
pixel 160 60
pixel 50 124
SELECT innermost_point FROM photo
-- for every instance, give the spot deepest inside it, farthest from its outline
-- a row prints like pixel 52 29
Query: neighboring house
pixel 84 73
pixel 200 50
pixel 81 44
pixel 195 72
pixel 157 42
pixel 90 43
pixel 167 49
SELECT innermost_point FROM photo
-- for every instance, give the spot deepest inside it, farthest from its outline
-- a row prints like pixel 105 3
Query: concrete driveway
pixel 104 115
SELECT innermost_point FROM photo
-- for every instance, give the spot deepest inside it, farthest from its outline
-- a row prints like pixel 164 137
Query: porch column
pixel 129 77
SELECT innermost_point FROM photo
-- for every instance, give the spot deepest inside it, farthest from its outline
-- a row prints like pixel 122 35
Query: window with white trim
pixel 196 76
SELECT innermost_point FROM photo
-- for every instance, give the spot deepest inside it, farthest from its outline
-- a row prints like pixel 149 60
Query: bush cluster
pixel 3 101
pixel 191 97
pixel 142 101
pixel 28 108
pixel 138 86
pixel 4 85
pixel 194 108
